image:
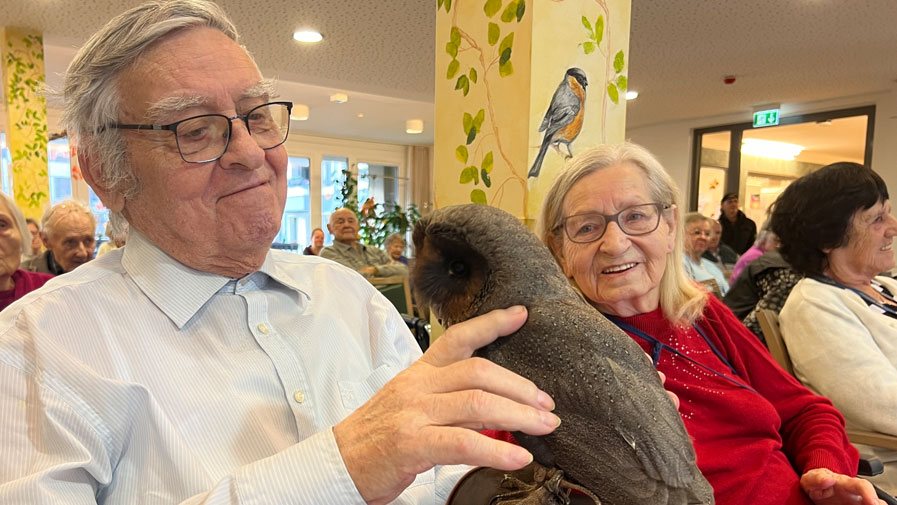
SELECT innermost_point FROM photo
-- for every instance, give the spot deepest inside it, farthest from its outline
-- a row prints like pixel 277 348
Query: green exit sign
pixel 766 118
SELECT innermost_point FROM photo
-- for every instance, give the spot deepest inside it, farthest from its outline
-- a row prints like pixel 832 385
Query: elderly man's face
pixel 218 216
pixel 395 249
pixel 343 226
pixel 71 240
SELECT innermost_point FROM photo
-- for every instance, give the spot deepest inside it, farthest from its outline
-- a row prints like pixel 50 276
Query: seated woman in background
pixel 766 241
pixel 317 243
pixel 840 322
pixel 698 268
pixel 395 248
pixel 15 241
pixel 760 437
pixel 763 285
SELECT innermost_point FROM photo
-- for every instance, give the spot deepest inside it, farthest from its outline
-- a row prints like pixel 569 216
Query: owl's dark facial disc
pixel 449 276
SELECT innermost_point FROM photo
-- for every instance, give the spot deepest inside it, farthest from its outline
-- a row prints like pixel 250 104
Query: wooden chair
pixel 769 323
pixel 396 290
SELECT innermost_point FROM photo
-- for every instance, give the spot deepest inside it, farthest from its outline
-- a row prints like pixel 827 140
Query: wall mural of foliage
pixel 493 59
pixel 615 63
pixel 23 59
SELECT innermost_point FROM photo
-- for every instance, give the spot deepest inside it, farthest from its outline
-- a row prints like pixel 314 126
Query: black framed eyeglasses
pixel 204 138
pixel 636 220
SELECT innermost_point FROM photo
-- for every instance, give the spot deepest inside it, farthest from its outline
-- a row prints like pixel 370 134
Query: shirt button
pixel 299 396
pixel 262 328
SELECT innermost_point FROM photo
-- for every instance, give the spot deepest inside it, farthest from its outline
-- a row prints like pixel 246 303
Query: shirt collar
pixel 176 289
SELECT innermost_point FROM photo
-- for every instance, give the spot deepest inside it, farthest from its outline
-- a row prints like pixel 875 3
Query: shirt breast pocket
pixel 355 393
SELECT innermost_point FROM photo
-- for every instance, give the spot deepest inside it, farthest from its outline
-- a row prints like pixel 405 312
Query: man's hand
pixel 368 271
pixel 826 487
pixel 429 414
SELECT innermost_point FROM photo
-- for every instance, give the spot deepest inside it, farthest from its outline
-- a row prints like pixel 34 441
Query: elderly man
pixel 68 234
pixel 739 231
pixel 365 259
pixel 199 366
pixel 718 253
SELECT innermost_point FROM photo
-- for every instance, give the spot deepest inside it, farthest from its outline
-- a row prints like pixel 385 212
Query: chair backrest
pixel 397 290
pixel 769 324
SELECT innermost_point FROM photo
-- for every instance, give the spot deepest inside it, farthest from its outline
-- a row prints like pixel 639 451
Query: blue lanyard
pixel 887 308
pixel 659 346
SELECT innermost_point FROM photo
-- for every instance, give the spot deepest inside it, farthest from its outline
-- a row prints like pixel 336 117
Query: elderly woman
pixel 15 241
pixel 317 243
pixel 612 221
pixel 767 241
pixel 840 321
pixel 395 247
pixel 697 237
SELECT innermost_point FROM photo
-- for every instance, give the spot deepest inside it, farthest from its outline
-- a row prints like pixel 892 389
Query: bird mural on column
pixel 563 119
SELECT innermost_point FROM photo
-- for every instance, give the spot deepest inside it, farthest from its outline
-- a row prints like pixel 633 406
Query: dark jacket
pixel 44 263
pixel 739 235
pixel 745 292
pixel 725 255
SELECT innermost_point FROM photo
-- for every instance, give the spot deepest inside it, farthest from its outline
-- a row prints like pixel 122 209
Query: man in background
pixel 36 246
pixel 367 260
pixel 68 234
pixel 739 231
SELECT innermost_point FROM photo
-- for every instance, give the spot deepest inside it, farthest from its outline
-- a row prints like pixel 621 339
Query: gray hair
pixel 91 93
pixel 19 220
pixel 392 237
pixel 62 209
pixel 681 300
pixel 692 217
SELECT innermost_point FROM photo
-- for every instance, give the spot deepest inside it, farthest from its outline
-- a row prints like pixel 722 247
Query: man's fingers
pixel 462 339
pixel 478 410
pixel 479 373
pixel 455 446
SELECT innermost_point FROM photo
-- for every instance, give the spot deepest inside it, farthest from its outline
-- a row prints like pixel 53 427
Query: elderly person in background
pixel 840 321
pixel 763 285
pixel 700 269
pixel 36 246
pixel 612 221
pixel 317 243
pixel 739 231
pixel 395 247
pixel 721 255
pixel 767 240
pixel 67 231
pixel 15 240
pixel 367 260
pixel 201 366
pixel 118 237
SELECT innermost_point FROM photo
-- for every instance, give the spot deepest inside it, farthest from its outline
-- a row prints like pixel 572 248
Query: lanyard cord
pixel 887 308
pixel 659 346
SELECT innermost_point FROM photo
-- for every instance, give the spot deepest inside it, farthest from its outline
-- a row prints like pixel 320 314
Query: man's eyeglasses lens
pixel 205 138
pixel 635 220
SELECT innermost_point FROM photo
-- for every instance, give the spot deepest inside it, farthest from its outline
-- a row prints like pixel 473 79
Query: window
pixel 295 227
pixel 5 161
pixel 331 177
pixel 379 182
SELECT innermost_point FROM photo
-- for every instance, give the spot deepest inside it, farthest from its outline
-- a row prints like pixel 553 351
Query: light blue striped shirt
pixel 137 380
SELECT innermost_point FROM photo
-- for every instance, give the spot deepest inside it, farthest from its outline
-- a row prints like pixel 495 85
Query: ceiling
pixel 382 55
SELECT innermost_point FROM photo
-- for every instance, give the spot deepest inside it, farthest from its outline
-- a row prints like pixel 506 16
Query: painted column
pixel 22 53
pixel 499 63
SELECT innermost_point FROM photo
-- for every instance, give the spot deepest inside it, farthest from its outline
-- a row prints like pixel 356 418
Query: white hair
pixel 18 220
pixel 55 213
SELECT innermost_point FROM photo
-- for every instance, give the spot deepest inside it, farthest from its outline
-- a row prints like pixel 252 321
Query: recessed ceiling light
pixel 414 126
pixel 631 95
pixel 300 112
pixel 339 98
pixel 770 149
pixel 360 115
pixel 307 36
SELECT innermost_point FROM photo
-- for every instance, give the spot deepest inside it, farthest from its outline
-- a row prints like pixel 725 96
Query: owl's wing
pixel 618 422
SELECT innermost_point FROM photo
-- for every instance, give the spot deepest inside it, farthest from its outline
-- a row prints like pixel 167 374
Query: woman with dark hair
pixel 840 322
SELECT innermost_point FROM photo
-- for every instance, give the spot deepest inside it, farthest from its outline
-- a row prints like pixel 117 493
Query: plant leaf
pixel 472 134
pixel 476 174
pixel 622 82
pixel 506 43
pixel 467 122
pixel 613 93
pixel 455 36
pixel 505 69
pixel 599 30
pixel 461 83
pixel 588 47
pixel 439 4
pixel 478 119
pixel 491 7
pixel 588 26
pixel 510 12
pixel 487 163
pixel 452 69
pixel 486 180
pixel 467 175
pixel 478 196
pixel 618 62
pixel 505 56
pixel 466 85
pixel 521 8
pixel 461 153
pixel 448 5
pixel 451 49
pixel 494 33
pixel 473 75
